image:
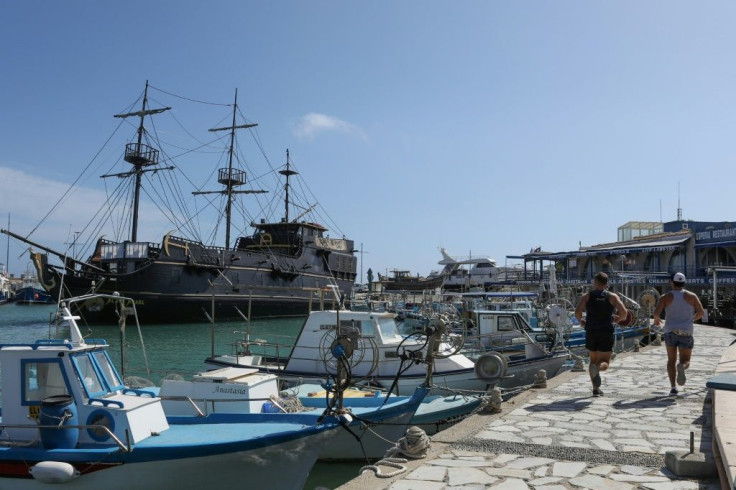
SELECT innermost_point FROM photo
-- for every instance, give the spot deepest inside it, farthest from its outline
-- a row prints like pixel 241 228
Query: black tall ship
pixel 284 267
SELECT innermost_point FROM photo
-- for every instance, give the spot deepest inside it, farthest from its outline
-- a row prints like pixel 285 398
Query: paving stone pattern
pixel 565 438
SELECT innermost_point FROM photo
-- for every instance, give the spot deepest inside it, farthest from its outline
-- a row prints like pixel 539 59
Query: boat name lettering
pixel 232 391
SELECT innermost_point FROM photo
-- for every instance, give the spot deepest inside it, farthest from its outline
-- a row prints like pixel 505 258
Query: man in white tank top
pixel 682 308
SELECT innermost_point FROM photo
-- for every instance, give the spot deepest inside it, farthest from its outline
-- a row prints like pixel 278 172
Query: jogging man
pixel 599 305
pixel 682 308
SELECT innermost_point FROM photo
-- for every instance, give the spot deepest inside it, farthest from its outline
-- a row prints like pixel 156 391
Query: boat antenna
pixel 287 172
pixel 7 251
pixel 140 156
pixel 230 177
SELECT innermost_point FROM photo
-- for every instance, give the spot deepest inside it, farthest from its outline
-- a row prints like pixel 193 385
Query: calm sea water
pixel 170 349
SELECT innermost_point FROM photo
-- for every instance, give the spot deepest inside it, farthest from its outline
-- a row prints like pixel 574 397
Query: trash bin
pixel 59 411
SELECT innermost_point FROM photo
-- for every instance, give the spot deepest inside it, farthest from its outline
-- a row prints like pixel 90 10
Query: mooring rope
pixel 413 445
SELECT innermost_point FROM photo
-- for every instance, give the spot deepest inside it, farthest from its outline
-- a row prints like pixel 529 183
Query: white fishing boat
pixel 67 417
pixel 380 355
pixel 509 333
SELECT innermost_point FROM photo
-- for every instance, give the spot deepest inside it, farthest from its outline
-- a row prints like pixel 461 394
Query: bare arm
pixel 695 302
pixel 579 309
pixel 663 301
pixel 621 310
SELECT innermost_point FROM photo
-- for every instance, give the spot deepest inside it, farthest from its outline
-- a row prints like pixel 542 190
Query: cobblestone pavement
pixel 563 437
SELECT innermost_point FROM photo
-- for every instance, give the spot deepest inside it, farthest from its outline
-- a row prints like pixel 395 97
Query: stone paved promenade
pixel 561 437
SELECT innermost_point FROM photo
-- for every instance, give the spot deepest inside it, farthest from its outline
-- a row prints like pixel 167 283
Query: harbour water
pixel 171 349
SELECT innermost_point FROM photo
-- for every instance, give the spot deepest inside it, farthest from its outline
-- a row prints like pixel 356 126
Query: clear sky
pixel 485 127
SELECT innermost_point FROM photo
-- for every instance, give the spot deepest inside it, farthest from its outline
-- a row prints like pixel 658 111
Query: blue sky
pixel 484 127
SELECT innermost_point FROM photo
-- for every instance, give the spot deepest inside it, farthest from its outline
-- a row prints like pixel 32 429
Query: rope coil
pixel 413 445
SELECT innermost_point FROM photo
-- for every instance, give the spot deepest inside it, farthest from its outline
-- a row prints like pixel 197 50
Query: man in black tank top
pixel 599 305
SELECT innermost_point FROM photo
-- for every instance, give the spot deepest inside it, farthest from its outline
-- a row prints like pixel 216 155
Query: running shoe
pixel 680 374
pixel 674 392
pixel 596 375
pixel 597 392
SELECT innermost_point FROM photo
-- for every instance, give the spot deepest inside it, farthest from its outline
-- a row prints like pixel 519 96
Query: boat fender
pixel 491 367
pixel 346 418
pixel 53 472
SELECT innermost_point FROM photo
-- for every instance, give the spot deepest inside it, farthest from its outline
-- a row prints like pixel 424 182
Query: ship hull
pixel 181 284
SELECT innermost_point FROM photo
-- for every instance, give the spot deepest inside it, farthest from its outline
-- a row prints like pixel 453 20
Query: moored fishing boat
pixel 435 413
pixel 381 355
pixel 31 293
pixel 279 268
pixel 68 417
pixel 370 424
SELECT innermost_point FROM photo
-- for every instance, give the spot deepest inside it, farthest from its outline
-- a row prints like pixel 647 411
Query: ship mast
pixel 231 177
pixel 140 155
pixel 287 173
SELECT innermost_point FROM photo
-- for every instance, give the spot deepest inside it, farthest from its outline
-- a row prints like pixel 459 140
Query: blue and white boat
pixel 67 417
pixel 31 292
pixel 435 413
pixel 371 423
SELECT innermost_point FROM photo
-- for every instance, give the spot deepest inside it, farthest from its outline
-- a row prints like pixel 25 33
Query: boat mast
pixel 230 177
pixel 7 251
pixel 287 173
pixel 140 155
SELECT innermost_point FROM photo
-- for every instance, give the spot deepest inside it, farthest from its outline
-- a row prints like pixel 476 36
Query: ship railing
pixel 277 349
pixel 513 344
pixel 92 427
pixel 277 353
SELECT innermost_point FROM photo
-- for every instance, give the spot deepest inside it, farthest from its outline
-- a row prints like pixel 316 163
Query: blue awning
pixel 727 243
pixel 617 249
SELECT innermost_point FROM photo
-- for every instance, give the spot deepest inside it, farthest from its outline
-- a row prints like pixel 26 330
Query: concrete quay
pixel 636 436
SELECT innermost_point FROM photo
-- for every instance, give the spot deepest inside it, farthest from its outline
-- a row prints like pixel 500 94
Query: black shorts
pixel 599 340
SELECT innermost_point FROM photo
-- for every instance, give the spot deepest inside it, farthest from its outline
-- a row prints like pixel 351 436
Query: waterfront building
pixel 644 257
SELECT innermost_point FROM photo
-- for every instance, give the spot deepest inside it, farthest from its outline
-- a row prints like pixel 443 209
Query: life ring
pixel 266 239
pixel 100 418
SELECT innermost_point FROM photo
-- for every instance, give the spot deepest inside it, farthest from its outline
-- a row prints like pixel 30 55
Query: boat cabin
pixel 77 380
pixel 504 331
pixel 523 302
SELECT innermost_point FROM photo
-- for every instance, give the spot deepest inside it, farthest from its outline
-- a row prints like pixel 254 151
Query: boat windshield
pixel 91 381
pixel 388 331
pixel 108 370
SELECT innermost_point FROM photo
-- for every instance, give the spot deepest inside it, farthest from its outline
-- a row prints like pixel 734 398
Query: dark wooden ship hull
pixel 179 281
